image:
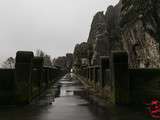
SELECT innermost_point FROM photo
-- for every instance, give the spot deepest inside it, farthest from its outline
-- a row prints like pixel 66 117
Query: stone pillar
pixel 37 74
pixel 96 73
pixel 90 73
pixel 54 73
pixel 85 72
pixel 105 68
pixel 50 75
pixel 120 77
pixel 23 68
pixel 46 77
pixel 43 84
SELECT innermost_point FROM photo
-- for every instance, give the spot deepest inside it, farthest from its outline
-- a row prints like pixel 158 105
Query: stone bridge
pixel 28 80
pixel 111 81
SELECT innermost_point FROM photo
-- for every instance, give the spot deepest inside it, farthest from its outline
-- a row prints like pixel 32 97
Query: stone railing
pixel 28 80
pixel 126 86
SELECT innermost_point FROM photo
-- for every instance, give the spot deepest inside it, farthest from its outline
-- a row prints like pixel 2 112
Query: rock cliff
pixel 131 25
pixel 140 22
pixel 105 33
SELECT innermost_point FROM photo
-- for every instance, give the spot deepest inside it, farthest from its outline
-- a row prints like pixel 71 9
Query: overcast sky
pixel 54 26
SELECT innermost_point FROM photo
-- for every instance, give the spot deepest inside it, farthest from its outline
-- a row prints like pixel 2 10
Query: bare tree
pixel 47 58
pixel 40 53
pixel 9 63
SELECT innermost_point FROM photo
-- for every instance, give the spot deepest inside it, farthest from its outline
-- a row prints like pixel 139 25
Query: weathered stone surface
pixel 131 25
pixel 120 77
pixel 140 23
pixel 23 77
pixel 80 56
pixel 98 38
pixel 80 52
pixel 105 33
pixel 112 16
pixel 104 37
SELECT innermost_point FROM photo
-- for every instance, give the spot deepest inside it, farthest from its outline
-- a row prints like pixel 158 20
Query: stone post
pixel 37 73
pixel 23 68
pixel 46 77
pixel 50 75
pixel 90 73
pixel 96 73
pixel 105 68
pixel 120 77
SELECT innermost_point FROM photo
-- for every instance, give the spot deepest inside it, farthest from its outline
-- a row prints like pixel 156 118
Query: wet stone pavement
pixel 65 107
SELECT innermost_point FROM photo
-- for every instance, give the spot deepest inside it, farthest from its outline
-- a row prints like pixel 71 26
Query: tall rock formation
pixel 80 53
pixel 112 17
pixel 98 38
pixel 131 25
pixel 105 33
pixel 140 25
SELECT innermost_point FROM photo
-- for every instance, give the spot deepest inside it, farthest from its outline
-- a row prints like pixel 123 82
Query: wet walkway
pixel 65 107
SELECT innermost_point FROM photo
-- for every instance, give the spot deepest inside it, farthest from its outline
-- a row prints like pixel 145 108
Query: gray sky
pixel 54 26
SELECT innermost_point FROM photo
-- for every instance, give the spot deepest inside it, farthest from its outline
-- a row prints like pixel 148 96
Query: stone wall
pixel 144 85
pixel 7 88
pixel 123 85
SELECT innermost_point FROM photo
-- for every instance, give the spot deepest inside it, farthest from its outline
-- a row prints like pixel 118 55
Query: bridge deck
pixel 67 106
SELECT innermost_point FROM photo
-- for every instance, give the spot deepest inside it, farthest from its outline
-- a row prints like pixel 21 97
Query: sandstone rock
pixel 140 32
pixel 80 52
pixel 131 25
pixel 105 33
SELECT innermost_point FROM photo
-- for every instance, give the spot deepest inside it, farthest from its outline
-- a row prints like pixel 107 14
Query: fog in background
pixel 54 26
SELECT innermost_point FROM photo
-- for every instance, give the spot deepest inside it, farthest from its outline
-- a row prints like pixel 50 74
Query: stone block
pixel 120 77
pixel 105 67
pixel 23 77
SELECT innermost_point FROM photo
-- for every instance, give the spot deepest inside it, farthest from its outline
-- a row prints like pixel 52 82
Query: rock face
pixel 80 53
pixel 105 33
pixel 132 26
pixel 140 22
pixel 98 38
